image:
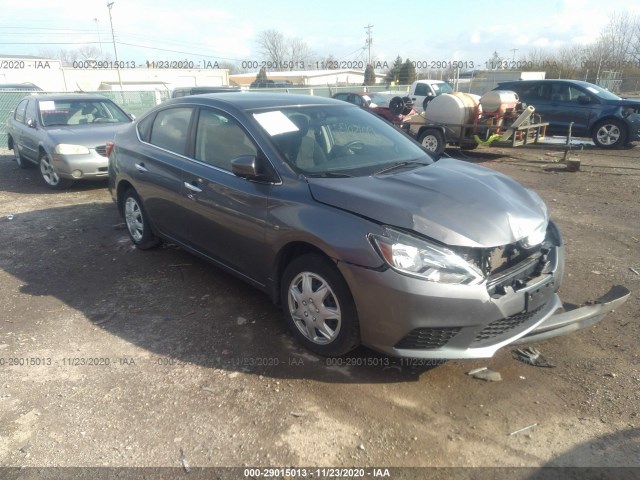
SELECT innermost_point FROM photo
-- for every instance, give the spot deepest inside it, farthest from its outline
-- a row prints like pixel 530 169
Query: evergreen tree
pixel 392 75
pixel 369 75
pixel 262 74
pixel 407 73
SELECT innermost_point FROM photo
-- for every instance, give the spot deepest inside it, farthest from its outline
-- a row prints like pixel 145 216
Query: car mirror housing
pixel 31 123
pixel 245 166
pixel 584 99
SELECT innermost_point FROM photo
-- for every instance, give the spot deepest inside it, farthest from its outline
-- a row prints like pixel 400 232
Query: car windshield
pixel 333 140
pixel 80 112
pixel 441 88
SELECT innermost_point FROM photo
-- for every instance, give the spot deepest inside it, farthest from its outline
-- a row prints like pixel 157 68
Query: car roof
pixel 67 96
pixel 255 100
pixel 547 80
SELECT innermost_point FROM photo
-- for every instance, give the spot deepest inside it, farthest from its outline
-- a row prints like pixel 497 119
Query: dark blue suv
pixel 612 122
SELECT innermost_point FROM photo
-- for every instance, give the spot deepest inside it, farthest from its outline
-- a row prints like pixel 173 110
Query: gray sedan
pixel 348 224
pixel 65 135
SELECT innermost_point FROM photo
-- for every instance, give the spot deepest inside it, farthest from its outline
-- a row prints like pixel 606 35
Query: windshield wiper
pixel 406 163
pixel 328 175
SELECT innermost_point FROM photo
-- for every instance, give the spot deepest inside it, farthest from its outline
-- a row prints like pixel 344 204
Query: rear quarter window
pixel 144 128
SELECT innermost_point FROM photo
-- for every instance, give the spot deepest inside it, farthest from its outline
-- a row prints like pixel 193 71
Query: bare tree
pixel 273 47
pixel 281 52
pixel 298 54
pixel 618 37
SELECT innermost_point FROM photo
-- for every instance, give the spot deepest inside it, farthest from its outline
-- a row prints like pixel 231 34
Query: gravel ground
pixel 114 357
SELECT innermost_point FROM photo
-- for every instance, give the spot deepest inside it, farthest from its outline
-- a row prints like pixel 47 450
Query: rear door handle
pixel 141 168
pixel 192 187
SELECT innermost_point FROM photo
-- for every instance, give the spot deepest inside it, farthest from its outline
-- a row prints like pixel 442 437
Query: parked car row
pixel 347 223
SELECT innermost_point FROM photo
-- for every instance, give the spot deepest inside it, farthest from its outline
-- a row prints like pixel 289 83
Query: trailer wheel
pixel 433 141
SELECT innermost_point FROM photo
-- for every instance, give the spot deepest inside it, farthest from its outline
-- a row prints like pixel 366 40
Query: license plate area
pixel 539 295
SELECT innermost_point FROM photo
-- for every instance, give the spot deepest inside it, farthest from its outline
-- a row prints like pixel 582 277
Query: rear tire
pixel 318 307
pixel 138 225
pixel 22 163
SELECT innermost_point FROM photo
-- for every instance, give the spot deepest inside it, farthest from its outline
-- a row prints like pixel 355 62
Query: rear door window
pixel 171 128
pixel 21 111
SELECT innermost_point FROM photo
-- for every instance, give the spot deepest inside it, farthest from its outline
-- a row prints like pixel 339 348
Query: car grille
pixel 102 150
pixel 427 338
pixel 504 325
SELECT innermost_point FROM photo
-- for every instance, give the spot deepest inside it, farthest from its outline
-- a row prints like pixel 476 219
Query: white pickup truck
pixel 421 91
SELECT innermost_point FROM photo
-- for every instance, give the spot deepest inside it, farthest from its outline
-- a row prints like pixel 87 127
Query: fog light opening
pixel 76 173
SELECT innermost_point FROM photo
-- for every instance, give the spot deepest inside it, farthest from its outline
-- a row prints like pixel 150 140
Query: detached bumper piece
pixel 577 319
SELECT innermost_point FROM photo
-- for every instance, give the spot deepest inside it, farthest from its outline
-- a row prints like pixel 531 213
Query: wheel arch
pixel 122 187
pixel 599 121
pixel 285 256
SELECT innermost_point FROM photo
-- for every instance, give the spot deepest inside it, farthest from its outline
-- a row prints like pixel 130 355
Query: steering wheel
pixel 347 148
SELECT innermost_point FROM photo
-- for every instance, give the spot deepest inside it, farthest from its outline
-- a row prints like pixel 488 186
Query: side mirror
pixel 253 168
pixel 584 99
pixel 31 123
pixel 245 166
pixel 131 116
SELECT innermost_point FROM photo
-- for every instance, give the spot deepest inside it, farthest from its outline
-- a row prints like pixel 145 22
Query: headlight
pixel 67 149
pixel 536 237
pixel 416 257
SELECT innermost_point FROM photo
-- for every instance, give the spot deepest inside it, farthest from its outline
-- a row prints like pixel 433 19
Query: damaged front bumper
pixel 578 318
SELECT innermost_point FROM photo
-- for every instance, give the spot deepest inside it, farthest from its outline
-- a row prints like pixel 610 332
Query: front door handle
pixel 141 168
pixel 192 187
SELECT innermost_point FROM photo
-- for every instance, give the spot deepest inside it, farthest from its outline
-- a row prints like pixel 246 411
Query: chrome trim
pixel 192 187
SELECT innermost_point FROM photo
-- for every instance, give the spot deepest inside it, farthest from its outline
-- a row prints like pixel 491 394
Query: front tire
pixel 432 140
pixel 50 176
pixel 318 307
pixel 610 133
pixel 137 222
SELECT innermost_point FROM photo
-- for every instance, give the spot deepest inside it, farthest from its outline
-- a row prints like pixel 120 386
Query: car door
pixel 538 95
pixel 156 167
pixel 565 109
pixel 32 131
pixel 422 90
pixel 226 215
pixel 18 127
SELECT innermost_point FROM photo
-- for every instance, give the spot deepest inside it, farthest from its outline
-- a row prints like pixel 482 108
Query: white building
pixel 316 78
pixel 51 76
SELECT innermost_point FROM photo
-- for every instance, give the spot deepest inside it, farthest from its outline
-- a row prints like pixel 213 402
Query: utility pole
pixel 369 41
pixel 99 39
pixel 514 50
pixel 115 51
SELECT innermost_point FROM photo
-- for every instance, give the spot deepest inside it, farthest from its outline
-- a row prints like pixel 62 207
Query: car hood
pixel 86 135
pixel 450 201
pixel 629 103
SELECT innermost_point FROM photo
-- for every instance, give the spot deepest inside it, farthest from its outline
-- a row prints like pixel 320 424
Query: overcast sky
pixel 424 30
